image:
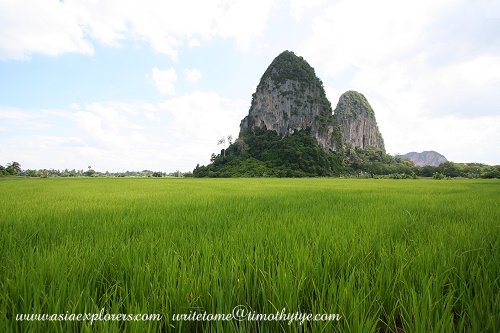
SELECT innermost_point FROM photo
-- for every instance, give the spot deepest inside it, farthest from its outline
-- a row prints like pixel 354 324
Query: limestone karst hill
pixel 290 97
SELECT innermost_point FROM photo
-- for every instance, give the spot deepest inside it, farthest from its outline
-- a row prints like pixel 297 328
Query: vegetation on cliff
pixel 288 66
pixel 263 153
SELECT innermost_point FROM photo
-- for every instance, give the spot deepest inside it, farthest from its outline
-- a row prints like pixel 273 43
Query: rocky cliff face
pixel 290 97
pixel 425 158
pixel 356 121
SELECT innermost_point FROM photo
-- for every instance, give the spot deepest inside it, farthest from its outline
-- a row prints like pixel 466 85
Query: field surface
pixel 386 255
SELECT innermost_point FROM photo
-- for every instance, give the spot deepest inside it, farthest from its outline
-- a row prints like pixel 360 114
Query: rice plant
pixel 387 255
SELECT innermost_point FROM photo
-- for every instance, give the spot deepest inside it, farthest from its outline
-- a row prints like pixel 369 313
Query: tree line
pixel 14 169
pixel 263 153
pixel 11 169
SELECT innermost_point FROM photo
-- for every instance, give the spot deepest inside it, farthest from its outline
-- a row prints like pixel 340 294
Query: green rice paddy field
pixel 387 255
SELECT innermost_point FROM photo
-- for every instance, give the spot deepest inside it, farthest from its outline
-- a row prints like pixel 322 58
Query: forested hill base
pixel 291 131
pixel 263 153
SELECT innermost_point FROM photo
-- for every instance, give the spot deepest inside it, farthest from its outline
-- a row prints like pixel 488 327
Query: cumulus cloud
pixel 56 27
pixel 363 33
pixel 175 134
pixel 192 75
pixel 244 20
pixel 432 79
pixel 16 119
pixel 204 116
pixel 45 27
pixel 299 7
pixel 165 80
pixel 459 139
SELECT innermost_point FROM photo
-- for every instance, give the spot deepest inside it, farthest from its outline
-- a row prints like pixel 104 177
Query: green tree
pixel 438 175
pixel 223 143
pixel 13 168
pixel 450 169
pixel 90 172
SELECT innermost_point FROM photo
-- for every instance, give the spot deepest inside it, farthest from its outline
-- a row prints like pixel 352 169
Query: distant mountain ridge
pixel 425 158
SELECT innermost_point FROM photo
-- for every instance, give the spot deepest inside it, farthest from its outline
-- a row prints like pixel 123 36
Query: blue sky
pixel 153 84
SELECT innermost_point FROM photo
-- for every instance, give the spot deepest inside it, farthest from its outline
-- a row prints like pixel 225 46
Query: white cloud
pixel 194 43
pixel 466 88
pixel 459 139
pixel 244 20
pixel 204 116
pixel 299 7
pixel 192 75
pixel 150 116
pixel 45 27
pixel 14 119
pixel 74 106
pixel 105 125
pixel 432 80
pixel 198 120
pixel 116 136
pixel 165 80
pixel 52 27
pixel 363 33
